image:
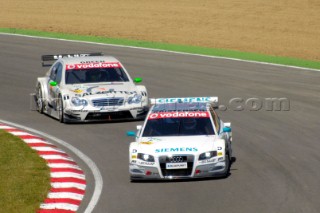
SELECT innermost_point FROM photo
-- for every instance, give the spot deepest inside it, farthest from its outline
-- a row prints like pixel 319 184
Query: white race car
pixel 89 87
pixel 181 138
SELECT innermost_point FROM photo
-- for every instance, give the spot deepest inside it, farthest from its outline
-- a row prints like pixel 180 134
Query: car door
pixel 54 84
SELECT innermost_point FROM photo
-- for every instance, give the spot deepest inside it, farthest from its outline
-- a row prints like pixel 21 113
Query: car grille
pixel 108 102
pixel 176 159
pixel 109 115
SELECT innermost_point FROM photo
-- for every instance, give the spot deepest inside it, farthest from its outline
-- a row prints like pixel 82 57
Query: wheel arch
pixel 142 89
pixel 42 83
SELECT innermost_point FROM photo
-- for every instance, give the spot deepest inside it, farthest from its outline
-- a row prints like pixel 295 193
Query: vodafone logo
pixel 92 65
pixel 153 115
pixel 71 67
pixel 178 115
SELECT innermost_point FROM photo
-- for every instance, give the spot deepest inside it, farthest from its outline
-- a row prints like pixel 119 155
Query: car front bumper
pixel 138 172
pixel 71 115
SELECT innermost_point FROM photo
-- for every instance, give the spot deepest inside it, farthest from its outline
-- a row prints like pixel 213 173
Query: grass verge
pixel 24 175
pixel 172 47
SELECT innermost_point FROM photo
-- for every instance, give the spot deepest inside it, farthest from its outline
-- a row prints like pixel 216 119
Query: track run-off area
pixel 277 152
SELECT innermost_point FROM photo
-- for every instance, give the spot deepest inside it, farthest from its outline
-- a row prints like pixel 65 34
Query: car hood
pixel 176 145
pixel 115 89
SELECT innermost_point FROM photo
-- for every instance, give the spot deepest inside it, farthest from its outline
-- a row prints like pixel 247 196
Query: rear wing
pixel 52 58
pixel 210 100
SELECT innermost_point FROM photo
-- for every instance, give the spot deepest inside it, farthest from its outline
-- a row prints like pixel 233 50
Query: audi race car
pixel 89 87
pixel 181 138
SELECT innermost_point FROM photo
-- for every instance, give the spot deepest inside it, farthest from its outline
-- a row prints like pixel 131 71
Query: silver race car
pixel 181 138
pixel 89 87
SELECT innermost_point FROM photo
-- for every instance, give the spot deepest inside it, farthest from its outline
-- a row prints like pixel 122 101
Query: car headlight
pixel 79 102
pixel 145 157
pixel 207 155
pixel 135 99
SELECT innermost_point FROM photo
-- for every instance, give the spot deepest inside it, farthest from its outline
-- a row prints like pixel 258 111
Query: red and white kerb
pixel 67 179
pixel 159 115
pixel 93 65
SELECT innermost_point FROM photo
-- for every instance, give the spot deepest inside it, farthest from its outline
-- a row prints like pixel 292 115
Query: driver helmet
pixel 94 76
pixel 189 123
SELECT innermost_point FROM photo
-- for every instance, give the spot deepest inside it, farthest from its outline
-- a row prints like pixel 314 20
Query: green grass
pixel 171 47
pixel 24 176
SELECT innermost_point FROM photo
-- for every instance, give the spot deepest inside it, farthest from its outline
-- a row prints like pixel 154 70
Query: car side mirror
pixel 131 134
pixel 137 80
pixel 53 83
pixel 226 129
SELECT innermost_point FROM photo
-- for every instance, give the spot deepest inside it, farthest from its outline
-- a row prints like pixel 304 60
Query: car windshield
pixel 80 76
pixel 178 127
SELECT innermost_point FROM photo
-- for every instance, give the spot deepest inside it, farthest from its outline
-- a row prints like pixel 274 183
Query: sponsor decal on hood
pixel 177 149
pixel 177 145
pixel 81 91
pixel 146 142
pixel 78 91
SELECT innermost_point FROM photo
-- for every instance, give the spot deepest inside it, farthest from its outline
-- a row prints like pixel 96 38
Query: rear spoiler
pixel 52 58
pixel 211 100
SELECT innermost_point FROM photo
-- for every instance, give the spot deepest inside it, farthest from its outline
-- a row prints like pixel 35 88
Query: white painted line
pixel 70 195
pixel 57 206
pixel 91 165
pixel 168 51
pixel 68 185
pixel 67 174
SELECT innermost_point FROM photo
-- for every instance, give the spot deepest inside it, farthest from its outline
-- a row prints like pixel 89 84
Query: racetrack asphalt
pixel 277 167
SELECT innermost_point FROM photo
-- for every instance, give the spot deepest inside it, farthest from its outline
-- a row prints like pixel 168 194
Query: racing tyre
pixel 39 99
pixel 60 109
pixel 228 164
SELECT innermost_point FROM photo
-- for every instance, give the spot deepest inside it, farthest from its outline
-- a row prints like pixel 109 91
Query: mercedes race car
pixel 181 138
pixel 89 87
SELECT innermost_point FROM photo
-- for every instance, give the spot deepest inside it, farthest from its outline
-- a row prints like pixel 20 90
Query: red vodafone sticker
pixel 92 65
pixel 178 115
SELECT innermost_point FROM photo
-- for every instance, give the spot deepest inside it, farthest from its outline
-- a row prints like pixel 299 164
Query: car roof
pixel 89 59
pixel 178 107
